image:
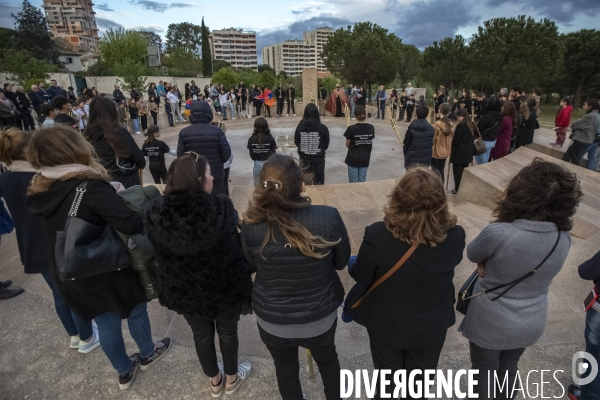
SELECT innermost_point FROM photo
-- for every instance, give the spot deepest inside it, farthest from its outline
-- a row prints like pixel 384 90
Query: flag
pixel 266 97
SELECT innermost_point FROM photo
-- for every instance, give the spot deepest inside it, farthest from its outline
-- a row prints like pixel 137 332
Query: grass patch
pixel 549 114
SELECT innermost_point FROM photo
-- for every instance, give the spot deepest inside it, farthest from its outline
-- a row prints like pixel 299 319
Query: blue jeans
pixel 382 108
pixel 169 115
pixel 111 336
pixel 232 107
pixel 71 321
pixel 591 391
pixel 352 107
pixel 224 109
pixel 357 174
pixel 136 124
pixel 593 158
pixel 483 158
pixel 258 164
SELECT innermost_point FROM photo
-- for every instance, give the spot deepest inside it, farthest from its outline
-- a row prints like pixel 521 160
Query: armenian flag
pixel 266 97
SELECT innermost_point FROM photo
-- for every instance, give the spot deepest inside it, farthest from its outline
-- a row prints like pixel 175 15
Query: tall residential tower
pixel 74 21
pixel 235 46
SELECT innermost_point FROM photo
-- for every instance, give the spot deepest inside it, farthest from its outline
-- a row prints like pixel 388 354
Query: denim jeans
pixel 357 174
pixel 111 336
pixel 592 153
pixel 258 164
pixel 382 108
pixel 136 124
pixel 232 108
pixel 178 112
pixel 71 321
pixel 591 391
pixel 169 114
pixel 483 158
pixel 224 109
pixel 352 107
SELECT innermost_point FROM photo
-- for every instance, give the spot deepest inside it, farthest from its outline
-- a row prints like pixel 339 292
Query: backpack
pixel 139 249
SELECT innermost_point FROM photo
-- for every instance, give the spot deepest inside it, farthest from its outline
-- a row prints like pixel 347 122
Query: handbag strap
pixel 385 276
pixel 77 200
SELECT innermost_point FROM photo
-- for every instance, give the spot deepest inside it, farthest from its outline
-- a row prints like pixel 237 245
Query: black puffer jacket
pixel 291 288
pixel 489 125
pixel 208 140
pixel 201 269
pixel 418 143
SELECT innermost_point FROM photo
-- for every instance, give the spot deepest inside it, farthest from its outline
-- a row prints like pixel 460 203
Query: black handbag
pixel 126 166
pixel 465 294
pixel 83 249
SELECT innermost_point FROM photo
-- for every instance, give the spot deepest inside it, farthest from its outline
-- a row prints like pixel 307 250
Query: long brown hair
pixel 13 143
pixel 151 133
pixel 279 192
pixel 462 112
pixel 186 174
pixel 541 191
pixel 510 109
pixel 417 211
pixel 444 111
pixel 61 146
pixel 104 117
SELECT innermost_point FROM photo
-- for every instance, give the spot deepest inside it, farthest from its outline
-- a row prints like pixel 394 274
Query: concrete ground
pixel 36 363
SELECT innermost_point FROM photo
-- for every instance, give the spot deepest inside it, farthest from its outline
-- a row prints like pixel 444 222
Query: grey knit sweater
pixel 584 129
pixel 517 319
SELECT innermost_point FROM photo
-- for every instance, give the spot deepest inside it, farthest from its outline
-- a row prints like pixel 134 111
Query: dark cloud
pixel 150 5
pixel 564 11
pixel 182 5
pixel 107 23
pixel 104 7
pixel 6 21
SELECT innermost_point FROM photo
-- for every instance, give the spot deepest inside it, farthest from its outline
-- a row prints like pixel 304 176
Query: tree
pixel 266 67
pixel 7 37
pixel 22 66
pixel 207 65
pixel 509 51
pixel 580 67
pixel 100 68
pixel 266 79
pixel 34 35
pixel 179 65
pixel 328 83
pixel 133 74
pixel 410 63
pixel 226 77
pixel 217 65
pixel 185 38
pixel 445 62
pixel 153 39
pixel 121 45
pixel 366 53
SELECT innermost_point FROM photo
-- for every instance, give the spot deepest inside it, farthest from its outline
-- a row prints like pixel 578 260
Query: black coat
pixel 134 94
pixel 35 98
pixel 206 139
pixel 418 143
pixel 201 268
pixel 489 125
pixel 307 151
pixel 289 287
pixel 23 103
pixel 118 96
pixel 30 235
pixel 462 145
pixel 107 155
pixel 118 291
pixel 528 128
pixel 55 91
pixel 415 306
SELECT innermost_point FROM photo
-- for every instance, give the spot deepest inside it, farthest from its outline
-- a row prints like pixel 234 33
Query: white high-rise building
pixel 235 46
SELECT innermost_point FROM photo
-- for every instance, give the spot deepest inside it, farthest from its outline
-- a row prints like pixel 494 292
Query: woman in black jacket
pixel 312 139
pixel 461 154
pixel 489 125
pixel 407 316
pixel 152 92
pixel 25 108
pixel 116 149
pixel 67 161
pixel 526 135
pixel 361 97
pixel 201 270
pixel 296 249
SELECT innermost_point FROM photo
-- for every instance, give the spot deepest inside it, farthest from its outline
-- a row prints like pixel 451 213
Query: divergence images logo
pixel 584 364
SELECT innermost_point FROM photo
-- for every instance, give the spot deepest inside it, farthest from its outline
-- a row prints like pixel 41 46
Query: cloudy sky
pixel 416 22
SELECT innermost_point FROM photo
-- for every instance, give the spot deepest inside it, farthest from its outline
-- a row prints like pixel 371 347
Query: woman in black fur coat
pixel 201 272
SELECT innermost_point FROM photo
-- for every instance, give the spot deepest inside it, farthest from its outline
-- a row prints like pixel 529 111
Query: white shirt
pixel 48 123
pixel 172 98
pixel 82 121
pixel 223 99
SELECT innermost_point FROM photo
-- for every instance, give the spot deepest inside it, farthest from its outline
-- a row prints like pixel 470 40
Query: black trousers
pixel 38 111
pixel 457 171
pixel 439 166
pixel 316 169
pixel 409 113
pixel 503 362
pixel 226 181
pixel 10 121
pixel 27 120
pixel 144 120
pixel 154 117
pixel 159 172
pixel 574 153
pixel 402 111
pixel 279 106
pixel 290 103
pixel 287 367
pixel 257 106
pixel 386 356
pixel 226 325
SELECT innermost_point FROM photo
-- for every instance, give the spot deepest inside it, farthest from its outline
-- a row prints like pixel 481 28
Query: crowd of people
pixel 283 257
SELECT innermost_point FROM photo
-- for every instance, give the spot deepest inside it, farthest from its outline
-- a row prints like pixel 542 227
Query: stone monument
pixel 309 85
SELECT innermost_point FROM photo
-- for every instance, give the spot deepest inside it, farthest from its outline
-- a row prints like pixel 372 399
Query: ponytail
pixel 445 110
pixel 13 143
pixel 151 133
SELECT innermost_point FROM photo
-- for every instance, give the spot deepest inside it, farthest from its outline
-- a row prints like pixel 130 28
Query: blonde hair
pixel 278 193
pixel 417 211
pixel 62 145
pixel 13 145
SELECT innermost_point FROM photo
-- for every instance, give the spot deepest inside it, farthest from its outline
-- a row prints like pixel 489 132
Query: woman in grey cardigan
pixel 583 132
pixel 535 211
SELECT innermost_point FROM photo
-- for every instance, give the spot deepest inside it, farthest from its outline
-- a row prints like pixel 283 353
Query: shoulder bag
pixel 478 145
pixel 83 249
pixel 465 294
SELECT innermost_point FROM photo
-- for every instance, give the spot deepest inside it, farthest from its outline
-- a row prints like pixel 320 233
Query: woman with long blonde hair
pixel 296 249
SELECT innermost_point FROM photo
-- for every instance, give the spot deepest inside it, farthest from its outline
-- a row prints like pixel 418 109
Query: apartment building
pixel 235 46
pixel 292 56
pixel 74 21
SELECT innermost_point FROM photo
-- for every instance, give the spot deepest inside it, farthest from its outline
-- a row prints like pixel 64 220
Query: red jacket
pixel 563 117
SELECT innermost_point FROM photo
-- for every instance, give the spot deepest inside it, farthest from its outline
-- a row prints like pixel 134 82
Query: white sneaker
pixel 287 115
pixel 233 118
pixel 87 347
pixel 353 119
pixel 74 342
pixel 138 133
pixel 243 373
pixel 294 115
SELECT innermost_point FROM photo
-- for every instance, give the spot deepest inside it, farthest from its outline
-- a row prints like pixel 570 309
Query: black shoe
pixel 160 348
pixel 126 380
pixel 172 126
pixel 5 284
pixel 9 293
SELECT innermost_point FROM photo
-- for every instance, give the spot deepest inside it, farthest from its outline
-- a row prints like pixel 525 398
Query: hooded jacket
pixel 208 140
pixel 489 125
pixel 201 268
pixel 118 291
pixel 418 143
pixel 563 117
pixel 312 139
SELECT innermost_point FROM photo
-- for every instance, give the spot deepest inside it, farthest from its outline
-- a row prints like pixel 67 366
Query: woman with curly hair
pixel 533 220
pixel 408 315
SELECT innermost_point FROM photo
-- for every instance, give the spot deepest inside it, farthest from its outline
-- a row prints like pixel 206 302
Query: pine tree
pixel 33 34
pixel 206 53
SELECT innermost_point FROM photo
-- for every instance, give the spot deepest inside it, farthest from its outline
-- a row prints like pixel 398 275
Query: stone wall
pixel 64 80
pixel 105 84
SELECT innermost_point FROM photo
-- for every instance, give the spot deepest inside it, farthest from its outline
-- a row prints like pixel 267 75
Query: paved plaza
pixel 36 363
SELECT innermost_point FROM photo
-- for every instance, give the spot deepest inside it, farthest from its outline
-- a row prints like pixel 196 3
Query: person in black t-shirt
pixel 359 141
pixel 154 150
pixel 312 139
pixel 65 108
pixel 261 146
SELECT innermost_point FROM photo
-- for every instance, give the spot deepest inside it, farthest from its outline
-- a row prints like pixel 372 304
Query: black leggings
pixel 154 117
pixel 159 172
pixel 457 171
pixel 439 166
pixel 575 152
